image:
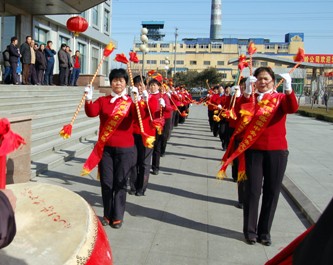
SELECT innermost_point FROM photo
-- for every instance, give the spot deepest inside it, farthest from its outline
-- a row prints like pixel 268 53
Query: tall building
pixel 216 20
pixel 44 20
pixel 197 54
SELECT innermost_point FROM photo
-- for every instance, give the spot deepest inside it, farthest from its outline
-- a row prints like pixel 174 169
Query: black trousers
pixel 224 133
pixel 165 135
pixel 114 168
pixel 265 171
pixel 157 152
pixel 181 118
pixel 234 170
pixel 63 75
pixel 210 119
pixel 175 118
pixel 140 173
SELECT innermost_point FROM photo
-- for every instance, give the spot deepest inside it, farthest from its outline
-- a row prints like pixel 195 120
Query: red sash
pixel 258 123
pixel 111 125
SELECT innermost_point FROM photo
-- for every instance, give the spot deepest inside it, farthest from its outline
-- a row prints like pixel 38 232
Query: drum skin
pixel 55 226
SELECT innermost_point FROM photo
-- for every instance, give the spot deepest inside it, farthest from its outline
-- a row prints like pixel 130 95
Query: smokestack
pixel 216 20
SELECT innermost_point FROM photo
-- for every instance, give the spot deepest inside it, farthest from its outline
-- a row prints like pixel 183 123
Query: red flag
pixel 133 57
pixel 242 63
pixel 121 58
pixel 108 49
pixel 251 49
pixel 299 57
pixel 151 72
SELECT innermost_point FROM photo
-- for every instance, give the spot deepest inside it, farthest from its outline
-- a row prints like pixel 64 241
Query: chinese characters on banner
pixel 319 58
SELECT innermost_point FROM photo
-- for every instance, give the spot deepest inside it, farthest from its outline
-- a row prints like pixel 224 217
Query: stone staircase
pixel 51 107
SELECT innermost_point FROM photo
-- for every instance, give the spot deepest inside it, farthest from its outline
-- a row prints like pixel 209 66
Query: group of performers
pixel 135 127
pixel 250 118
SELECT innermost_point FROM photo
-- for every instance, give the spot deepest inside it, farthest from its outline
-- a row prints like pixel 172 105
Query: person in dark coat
pixel 26 59
pixel 63 65
pixel 49 56
pixel 41 63
pixel 14 56
pixel 7 218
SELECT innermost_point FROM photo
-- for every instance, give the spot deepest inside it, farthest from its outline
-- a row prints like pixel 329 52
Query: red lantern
pixel 77 25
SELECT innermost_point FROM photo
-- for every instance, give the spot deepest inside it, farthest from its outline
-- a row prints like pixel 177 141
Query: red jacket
pixel 102 107
pixel 274 135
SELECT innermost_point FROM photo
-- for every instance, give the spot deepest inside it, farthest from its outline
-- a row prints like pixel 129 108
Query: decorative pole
pixel 66 131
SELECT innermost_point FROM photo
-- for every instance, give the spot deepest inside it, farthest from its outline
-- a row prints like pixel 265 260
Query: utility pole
pixel 174 62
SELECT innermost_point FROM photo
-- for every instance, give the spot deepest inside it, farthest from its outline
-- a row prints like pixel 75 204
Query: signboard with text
pixel 319 58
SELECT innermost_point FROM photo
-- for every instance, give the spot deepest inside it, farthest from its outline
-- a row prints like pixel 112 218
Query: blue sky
pixel 270 19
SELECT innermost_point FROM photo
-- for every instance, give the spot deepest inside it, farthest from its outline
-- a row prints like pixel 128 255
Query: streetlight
pixel 174 63
pixel 144 47
pixel 166 67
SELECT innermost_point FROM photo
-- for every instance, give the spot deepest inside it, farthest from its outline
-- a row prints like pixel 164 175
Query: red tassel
pixel 299 57
pixel 66 131
pixel 133 57
pixel 121 58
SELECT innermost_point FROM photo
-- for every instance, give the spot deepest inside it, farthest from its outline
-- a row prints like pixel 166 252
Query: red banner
pixel 319 58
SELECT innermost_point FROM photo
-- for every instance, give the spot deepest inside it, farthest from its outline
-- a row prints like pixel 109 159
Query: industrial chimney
pixel 216 20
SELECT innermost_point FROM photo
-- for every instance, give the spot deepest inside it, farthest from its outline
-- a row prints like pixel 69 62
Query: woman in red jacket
pixel 266 152
pixel 114 150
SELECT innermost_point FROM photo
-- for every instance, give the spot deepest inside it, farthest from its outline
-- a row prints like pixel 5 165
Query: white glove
pixel 236 91
pixel 145 95
pixel 134 90
pixel 162 102
pixel 251 79
pixel 168 94
pixel 286 82
pixel 219 106
pixel 88 90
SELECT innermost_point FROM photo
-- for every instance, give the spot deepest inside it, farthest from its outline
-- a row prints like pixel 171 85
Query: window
pixel 223 75
pixel 220 62
pixel 94 59
pixel 106 67
pixel 164 45
pixel 181 46
pixel 203 46
pixel 179 62
pixel 206 62
pixel 270 47
pixel 151 62
pixel 82 48
pixel 94 13
pixel 106 21
pixel 193 62
pixel 190 46
pixel 152 45
pixel 283 47
pixel 263 64
pixel 62 40
pixel 40 35
pixel 216 46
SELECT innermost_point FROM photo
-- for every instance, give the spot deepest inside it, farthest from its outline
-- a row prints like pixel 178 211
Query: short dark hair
pixel 264 69
pixel 48 42
pixel 63 45
pixel 154 81
pixel 13 39
pixel 138 79
pixel 243 80
pixel 118 73
pixel 27 37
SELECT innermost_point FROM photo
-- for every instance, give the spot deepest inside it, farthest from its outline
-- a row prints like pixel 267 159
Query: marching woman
pixel 140 175
pixel 266 151
pixel 114 150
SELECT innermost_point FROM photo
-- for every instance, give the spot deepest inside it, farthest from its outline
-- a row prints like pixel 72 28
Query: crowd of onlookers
pixel 32 63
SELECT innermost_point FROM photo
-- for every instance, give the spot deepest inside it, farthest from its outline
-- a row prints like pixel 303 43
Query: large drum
pixel 55 226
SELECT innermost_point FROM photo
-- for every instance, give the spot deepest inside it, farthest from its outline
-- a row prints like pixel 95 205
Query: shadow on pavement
pixel 138 210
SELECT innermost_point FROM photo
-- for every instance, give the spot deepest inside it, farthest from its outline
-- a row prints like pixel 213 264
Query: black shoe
pixel 163 155
pixel 155 172
pixel 265 242
pixel 116 224
pixel 140 193
pixel 105 221
pixel 131 192
pixel 251 241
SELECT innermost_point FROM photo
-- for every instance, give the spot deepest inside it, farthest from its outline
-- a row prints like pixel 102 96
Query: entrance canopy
pixel 45 7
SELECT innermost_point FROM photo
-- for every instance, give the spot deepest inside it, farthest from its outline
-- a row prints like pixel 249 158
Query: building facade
pixel 46 27
pixel 198 54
